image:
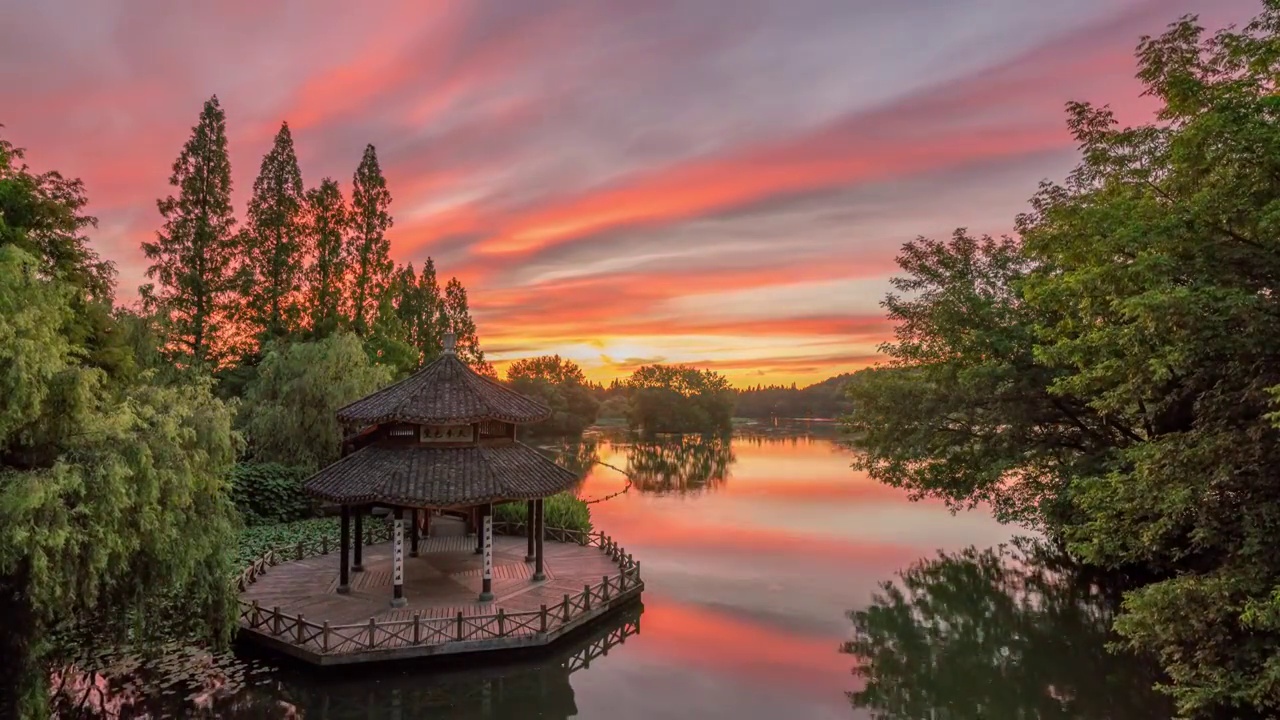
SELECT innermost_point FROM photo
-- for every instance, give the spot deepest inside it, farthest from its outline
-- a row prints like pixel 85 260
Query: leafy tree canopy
pixel 679 398
pixel 289 410
pixel 1108 377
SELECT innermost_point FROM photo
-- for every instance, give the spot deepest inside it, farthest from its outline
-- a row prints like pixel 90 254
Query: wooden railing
pixel 325 638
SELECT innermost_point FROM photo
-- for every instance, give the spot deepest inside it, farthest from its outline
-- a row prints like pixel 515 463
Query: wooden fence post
pixel 324 545
pixel 542 617
pixel 257 615
pixel 566 607
pixel 459 626
pixel 417 628
pixel 324 644
pixel 299 626
pixel 502 631
pixel 299 551
pixel 275 620
pixel 606 588
pixel 586 597
pixel 373 625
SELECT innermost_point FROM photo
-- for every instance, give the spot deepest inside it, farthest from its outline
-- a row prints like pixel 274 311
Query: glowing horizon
pixel 722 183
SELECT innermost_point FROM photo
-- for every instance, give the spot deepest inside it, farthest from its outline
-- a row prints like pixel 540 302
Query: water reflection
pixel 1012 632
pixel 198 685
pixel 680 463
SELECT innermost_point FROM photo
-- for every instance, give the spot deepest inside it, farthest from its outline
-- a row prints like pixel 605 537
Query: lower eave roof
pixel 424 476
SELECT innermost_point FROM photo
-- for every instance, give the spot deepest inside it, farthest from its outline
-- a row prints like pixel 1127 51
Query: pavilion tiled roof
pixel 425 476
pixel 442 393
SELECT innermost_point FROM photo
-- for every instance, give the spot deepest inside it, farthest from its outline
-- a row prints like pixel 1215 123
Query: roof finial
pixel 449 340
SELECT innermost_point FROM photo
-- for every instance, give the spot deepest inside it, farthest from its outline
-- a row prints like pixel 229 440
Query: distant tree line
pixel 825 399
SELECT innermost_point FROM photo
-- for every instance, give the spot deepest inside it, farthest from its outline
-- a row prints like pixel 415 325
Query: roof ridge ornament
pixel 449 341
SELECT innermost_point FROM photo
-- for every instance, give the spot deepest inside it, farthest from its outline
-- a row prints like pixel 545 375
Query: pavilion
pixel 442 440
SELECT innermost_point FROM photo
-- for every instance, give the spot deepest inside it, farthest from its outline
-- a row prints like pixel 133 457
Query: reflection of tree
pixel 200 686
pixel 1007 633
pixel 578 456
pixel 680 463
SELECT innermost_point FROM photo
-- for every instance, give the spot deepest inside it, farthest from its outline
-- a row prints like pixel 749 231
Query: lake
pixel 754 551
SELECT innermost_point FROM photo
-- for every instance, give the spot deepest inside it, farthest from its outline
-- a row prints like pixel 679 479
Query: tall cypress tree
pixel 193 256
pixel 273 242
pixel 369 251
pixel 429 327
pixel 327 221
pixel 458 320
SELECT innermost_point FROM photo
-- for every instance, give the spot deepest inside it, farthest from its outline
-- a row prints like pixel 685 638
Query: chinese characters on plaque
pixel 447 434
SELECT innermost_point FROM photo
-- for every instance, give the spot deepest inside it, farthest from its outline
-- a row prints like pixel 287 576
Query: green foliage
pixel 457 320
pixel 327 219
pixel 193 258
pixel 562 510
pixel 679 398
pixel 368 252
pixel 270 493
pixel 273 244
pixel 428 321
pixel 1004 633
pixel 615 407
pixel 1107 378
pixel 288 412
pixel 560 384
pixel 255 541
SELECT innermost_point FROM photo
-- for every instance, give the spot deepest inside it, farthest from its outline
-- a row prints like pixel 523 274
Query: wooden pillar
pixel 413 532
pixel 538 574
pixel 478 514
pixel 357 564
pixel 530 528
pixel 344 564
pixel 486 533
pixel 397 561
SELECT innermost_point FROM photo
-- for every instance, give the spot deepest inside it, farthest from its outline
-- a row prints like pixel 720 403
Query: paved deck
pixel 441 584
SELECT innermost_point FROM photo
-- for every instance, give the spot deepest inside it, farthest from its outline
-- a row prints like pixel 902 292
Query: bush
pixel 270 493
pixel 563 510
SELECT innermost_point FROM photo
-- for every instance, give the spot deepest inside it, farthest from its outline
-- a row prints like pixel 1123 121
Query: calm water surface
pixel 754 552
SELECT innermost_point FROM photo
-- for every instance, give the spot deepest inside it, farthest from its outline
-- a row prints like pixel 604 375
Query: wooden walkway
pixel 295 607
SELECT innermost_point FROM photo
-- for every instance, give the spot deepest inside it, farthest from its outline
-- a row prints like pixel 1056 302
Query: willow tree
pixel 274 244
pixel 112 505
pixel 194 256
pixel 289 410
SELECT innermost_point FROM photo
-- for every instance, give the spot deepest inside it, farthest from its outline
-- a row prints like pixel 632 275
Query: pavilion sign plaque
pixel 443 434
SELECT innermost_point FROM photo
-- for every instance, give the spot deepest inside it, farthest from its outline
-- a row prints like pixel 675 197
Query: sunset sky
pixel 718 182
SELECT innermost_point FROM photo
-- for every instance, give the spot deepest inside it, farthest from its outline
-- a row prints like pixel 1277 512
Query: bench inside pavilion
pixel 442 441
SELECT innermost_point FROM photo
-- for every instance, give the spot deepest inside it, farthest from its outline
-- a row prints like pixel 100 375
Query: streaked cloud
pixel 715 181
